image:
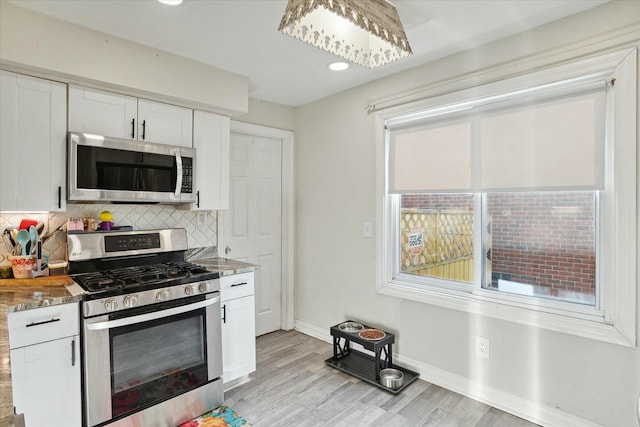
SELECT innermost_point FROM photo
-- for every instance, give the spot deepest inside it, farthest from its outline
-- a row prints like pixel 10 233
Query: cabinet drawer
pixel 236 286
pixel 43 324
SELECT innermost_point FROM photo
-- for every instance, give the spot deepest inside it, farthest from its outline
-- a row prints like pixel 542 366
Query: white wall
pixel 48 47
pixel 268 114
pixel 546 376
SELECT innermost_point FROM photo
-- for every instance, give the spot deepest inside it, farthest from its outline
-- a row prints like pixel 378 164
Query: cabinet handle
pixel 198 198
pixel 144 127
pixel 224 313
pixel 73 352
pixel 59 197
pixel 133 128
pixel 239 284
pixel 44 322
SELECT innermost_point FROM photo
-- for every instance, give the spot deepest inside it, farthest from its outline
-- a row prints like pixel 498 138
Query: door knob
pixel 227 250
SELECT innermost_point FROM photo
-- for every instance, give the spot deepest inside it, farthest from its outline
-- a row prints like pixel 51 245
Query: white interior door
pixel 252 224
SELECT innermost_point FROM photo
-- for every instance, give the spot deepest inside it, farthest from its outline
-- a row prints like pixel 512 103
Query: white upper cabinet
pixel 102 113
pixel 120 116
pixel 32 143
pixel 164 123
pixel 211 134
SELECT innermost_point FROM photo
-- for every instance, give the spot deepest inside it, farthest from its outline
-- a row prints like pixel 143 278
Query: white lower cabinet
pixel 45 374
pixel 238 326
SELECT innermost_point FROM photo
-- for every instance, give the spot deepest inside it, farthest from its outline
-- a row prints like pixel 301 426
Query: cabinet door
pixel 102 113
pixel 32 143
pixel 238 338
pixel 164 123
pixel 211 134
pixel 46 383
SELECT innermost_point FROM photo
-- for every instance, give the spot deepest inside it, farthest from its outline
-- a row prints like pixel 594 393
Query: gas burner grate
pixel 99 281
pixel 132 277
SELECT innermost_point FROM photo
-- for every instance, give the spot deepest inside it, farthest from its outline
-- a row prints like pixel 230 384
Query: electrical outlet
pixel 202 219
pixel 482 347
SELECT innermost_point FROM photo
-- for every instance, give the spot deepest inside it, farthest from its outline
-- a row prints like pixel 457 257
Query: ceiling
pixel 241 36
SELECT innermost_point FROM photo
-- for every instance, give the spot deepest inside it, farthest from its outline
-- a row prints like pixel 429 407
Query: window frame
pixel 612 319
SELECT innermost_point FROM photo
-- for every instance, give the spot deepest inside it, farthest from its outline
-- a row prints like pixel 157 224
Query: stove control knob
pixel 202 287
pixel 162 295
pixel 110 304
pixel 130 301
pixel 188 290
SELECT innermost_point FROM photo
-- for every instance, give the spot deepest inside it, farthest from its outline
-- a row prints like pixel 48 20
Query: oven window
pixel 156 360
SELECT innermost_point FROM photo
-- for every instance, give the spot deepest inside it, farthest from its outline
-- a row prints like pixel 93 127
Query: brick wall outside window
pixel 543 239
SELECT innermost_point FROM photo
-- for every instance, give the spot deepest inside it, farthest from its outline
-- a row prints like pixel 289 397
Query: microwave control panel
pixel 187 176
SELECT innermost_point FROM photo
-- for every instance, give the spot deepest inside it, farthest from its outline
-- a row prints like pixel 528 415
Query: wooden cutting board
pixel 61 280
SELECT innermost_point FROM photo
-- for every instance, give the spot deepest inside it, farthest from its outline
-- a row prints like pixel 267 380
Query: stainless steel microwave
pixel 104 169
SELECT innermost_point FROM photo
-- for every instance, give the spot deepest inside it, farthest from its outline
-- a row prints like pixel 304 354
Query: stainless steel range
pixel 151 328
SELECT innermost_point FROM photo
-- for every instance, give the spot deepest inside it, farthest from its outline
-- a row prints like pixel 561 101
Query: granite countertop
pixel 226 266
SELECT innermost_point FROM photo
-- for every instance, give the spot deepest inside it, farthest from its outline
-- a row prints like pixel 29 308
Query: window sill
pixel 565 322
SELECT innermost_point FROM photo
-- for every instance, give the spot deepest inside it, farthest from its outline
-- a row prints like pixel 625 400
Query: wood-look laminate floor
pixel 293 387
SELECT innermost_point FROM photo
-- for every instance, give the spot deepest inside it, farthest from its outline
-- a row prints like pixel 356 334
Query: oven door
pixel 141 357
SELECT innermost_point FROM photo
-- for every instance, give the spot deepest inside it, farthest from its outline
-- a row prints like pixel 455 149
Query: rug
pixel 221 417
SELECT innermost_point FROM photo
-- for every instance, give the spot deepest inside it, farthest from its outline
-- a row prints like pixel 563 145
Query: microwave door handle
pixel 109 324
pixel 179 172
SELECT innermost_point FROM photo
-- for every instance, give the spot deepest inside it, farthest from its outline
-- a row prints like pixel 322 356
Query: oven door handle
pixel 151 316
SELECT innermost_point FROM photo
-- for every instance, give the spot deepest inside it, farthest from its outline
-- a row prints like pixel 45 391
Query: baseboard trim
pixel 237 382
pixel 523 408
pixel 313 331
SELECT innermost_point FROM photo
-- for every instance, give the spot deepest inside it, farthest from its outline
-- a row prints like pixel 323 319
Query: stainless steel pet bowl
pixel 391 378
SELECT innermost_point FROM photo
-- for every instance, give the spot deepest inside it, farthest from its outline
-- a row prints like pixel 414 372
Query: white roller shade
pixel 557 144
pixel 435 159
pixel 552 140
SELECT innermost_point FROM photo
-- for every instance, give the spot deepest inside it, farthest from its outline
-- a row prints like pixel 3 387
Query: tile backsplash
pixel 201 226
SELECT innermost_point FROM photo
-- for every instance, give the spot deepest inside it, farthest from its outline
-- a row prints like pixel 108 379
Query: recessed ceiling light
pixel 171 2
pixel 338 66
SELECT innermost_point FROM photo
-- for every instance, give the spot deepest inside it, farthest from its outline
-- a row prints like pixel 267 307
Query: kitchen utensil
pixel 11 247
pixel 33 236
pixel 11 232
pixel 41 269
pixel 40 228
pixel 391 378
pixel 26 223
pixel 23 238
pixel 22 265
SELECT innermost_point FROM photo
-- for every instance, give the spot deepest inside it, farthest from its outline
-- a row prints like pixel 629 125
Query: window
pixel 542 244
pixel 510 193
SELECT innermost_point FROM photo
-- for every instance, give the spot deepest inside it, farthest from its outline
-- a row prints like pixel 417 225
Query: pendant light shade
pixel 366 32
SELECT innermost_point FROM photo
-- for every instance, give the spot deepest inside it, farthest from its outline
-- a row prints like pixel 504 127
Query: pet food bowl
pixel 391 378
